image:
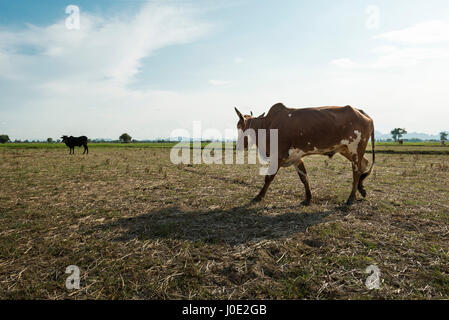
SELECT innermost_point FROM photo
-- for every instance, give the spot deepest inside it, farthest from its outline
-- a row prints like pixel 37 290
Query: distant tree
pixel 50 140
pixel 443 135
pixel 4 138
pixel 125 138
pixel 397 133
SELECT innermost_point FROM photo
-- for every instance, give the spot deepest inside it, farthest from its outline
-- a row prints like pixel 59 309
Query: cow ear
pixel 238 113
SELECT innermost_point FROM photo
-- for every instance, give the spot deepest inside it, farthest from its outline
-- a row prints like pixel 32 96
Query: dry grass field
pixel 139 227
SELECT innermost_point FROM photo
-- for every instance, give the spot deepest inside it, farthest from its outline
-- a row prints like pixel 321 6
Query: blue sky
pixel 150 67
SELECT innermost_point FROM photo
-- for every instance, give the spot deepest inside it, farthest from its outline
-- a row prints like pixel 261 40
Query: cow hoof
pixel 256 199
pixel 349 202
pixel 362 192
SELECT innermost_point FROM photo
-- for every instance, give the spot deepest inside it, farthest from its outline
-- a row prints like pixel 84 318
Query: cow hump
pixel 278 107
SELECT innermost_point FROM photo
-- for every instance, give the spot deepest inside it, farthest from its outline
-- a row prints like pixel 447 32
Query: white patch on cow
pixel 351 143
pixel 289 115
pixel 354 144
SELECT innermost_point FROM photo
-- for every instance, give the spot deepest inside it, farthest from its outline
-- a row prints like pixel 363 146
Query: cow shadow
pixel 225 179
pixel 233 226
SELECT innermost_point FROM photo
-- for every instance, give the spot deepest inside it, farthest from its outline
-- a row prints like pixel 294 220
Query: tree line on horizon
pixel 396 133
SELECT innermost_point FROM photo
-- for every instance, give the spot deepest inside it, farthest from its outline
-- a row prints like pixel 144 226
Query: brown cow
pixel 322 130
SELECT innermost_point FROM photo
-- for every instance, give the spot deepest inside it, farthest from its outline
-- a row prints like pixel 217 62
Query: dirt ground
pixel 140 227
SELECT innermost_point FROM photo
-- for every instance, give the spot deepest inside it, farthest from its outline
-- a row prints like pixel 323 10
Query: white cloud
pixel 77 80
pixel 55 81
pixel 399 55
pixel 102 48
pixel 403 82
pixel 392 57
pixel 216 82
pixel 345 63
pixel 408 57
pixel 429 32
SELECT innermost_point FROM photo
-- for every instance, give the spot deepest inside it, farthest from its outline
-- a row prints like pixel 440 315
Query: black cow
pixel 73 142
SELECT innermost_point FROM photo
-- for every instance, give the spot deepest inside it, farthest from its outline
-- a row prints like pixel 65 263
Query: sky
pixel 152 68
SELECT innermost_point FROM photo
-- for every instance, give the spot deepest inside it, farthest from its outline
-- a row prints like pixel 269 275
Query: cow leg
pixel 355 182
pixel 301 169
pixel 268 179
pixel 364 167
pixel 356 172
pixel 85 149
pixel 261 195
pixel 360 187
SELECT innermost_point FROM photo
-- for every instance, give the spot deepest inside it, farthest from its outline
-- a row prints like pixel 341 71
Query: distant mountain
pixel 422 136
pixel 102 140
pixel 378 135
pixel 410 135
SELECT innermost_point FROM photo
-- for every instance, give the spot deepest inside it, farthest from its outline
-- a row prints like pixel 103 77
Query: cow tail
pixel 374 155
pixel 367 173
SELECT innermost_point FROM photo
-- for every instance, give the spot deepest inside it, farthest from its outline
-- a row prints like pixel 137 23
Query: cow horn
pixel 262 115
pixel 238 113
pixel 251 113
